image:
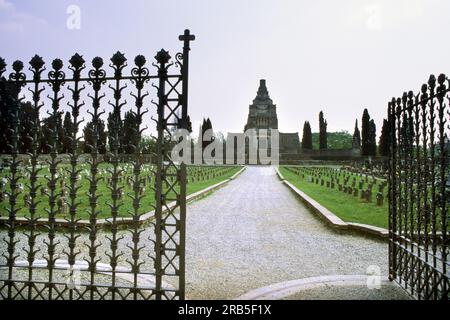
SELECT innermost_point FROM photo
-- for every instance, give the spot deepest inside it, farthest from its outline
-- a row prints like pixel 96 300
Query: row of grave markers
pixel 344 181
pixel 195 174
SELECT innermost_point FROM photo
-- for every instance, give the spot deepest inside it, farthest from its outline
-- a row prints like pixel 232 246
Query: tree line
pixel 365 140
pixel 57 130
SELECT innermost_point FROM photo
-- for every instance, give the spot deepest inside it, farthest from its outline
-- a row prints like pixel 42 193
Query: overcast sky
pixel 335 56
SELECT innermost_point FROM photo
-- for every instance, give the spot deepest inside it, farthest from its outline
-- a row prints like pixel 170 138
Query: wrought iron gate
pixel 419 182
pixel 90 254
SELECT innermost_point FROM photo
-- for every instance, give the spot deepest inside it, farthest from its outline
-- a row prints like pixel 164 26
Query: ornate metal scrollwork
pixel 419 197
pixel 111 242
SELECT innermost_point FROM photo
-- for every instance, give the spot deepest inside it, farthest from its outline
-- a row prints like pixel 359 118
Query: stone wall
pixel 327 154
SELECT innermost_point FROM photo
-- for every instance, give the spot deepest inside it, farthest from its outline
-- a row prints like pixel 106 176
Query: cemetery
pixel 129 185
pixel 164 174
pixel 352 195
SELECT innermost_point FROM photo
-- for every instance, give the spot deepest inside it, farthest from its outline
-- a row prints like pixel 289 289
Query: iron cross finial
pixel 186 38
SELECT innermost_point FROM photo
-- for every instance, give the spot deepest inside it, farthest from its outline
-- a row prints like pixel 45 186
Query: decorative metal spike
pixel 162 57
pixel 118 59
pixel 432 81
pixel 37 62
pixel 57 64
pixel 97 62
pixel 17 66
pixel 77 61
pixel 139 60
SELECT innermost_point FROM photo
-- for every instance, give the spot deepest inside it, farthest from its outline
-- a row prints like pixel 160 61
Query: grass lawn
pixel 347 207
pixel 199 177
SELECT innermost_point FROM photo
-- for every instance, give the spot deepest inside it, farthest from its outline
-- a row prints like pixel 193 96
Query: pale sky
pixel 335 56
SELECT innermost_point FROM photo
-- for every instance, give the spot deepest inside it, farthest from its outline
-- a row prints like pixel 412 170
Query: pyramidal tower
pixel 262 112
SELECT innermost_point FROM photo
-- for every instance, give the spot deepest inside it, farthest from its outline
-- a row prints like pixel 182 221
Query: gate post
pixel 187 37
pixel 182 245
pixel 162 57
pixel 164 162
pixel 392 191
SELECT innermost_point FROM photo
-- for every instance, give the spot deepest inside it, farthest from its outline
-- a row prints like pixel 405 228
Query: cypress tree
pixel 115 124
pixel 372 138
pixel 103 135
pixel 356 136
pixel 68 128
pixel 49 126
pixel 26 115
pixel 202 133
pixel 383 148
pixel 89 139
pixel 307 136
pixel 130 132
pixel 205 126
pixel 322 132
pixel 189 124
pixel 6 115
pixel 365 133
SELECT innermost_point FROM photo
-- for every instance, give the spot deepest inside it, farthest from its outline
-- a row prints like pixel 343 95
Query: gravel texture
pixel 251 233
pixel 254 232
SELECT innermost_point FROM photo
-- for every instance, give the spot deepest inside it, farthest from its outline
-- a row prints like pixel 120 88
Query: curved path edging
pixel 124 221
pixel 288 288
pixel 330 218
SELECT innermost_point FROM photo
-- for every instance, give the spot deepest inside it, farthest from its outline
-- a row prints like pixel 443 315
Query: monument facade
pixel 263 115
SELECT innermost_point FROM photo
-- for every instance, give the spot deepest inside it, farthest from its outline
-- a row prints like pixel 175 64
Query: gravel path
pixel 254 232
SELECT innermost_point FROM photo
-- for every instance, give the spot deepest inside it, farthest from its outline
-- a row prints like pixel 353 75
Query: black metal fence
pixel 419 186
pixel 93 261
